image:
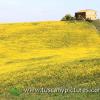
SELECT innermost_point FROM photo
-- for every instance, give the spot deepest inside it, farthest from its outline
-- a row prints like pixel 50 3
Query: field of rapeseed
pixel 49 55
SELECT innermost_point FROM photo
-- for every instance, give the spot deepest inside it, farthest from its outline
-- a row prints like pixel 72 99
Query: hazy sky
pixel 40 10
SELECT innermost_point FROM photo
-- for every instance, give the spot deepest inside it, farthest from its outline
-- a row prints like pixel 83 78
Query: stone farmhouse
pixel 86 14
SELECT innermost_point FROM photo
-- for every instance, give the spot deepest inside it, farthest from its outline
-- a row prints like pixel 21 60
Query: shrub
pixel 89 20
pixel 67 17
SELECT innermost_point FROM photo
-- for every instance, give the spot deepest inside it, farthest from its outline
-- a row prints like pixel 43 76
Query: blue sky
pixel 41 10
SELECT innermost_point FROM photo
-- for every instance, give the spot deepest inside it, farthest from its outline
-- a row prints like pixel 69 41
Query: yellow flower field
pixel 48 54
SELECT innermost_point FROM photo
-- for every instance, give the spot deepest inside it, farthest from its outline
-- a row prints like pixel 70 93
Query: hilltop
pixel 49 54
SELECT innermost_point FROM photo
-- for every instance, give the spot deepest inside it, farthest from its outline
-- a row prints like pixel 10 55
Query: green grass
pixel 97 24
pixel 49 55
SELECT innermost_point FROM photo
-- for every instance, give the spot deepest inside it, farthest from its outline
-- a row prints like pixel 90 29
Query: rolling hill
pixel 49 55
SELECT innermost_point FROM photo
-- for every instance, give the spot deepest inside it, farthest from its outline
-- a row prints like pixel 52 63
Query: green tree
pixel 67 17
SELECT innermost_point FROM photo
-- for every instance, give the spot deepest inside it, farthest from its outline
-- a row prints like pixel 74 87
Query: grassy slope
pixel 97 24
pixel 49 54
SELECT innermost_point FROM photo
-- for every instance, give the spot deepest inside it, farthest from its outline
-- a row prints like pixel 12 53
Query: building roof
pixel 87 10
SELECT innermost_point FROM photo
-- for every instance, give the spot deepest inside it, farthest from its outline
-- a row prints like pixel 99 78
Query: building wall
pixel 91 15
pixel 80 15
